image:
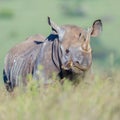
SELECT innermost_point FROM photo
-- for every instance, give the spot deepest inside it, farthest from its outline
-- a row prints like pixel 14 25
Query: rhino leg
pixel 7 82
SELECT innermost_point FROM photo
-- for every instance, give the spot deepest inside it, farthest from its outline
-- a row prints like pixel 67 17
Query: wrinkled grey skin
pixel 66 52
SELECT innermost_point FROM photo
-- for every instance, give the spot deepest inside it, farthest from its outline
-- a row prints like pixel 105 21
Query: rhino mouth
pixel 75 67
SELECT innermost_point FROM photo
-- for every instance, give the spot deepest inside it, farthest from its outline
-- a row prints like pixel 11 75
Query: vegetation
pixel 6 14
pixel 96 99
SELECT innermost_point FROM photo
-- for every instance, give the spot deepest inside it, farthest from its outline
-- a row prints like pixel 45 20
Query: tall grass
pixel 96 99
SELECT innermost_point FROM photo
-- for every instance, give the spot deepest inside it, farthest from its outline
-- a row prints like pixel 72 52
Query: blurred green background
pixel 22 18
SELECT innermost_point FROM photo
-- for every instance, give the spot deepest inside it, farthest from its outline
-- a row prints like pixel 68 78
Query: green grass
pixel 96 99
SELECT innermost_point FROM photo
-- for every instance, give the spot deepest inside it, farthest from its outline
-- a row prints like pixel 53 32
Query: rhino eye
pixel 79 34
pixel 67 51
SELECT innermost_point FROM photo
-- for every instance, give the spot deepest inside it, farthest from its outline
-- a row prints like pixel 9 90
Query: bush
pixel 6 13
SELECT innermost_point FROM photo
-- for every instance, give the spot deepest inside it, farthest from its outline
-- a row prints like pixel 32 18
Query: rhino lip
pixel 81 67
pixel 75 66
pixel 67 65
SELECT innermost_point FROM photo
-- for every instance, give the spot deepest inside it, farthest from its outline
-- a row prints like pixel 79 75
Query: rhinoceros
pixel 66 51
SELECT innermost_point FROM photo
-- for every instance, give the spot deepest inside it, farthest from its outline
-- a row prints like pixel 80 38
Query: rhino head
pixel 75 44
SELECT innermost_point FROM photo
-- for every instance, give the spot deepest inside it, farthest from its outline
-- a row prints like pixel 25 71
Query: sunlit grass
pixel 96 99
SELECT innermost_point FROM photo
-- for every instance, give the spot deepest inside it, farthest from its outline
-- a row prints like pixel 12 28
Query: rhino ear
pixel 96 28
pixel 54 26
pixel 60 31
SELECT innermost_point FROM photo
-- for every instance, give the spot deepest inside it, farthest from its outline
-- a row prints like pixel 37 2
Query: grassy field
pixel 90 100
